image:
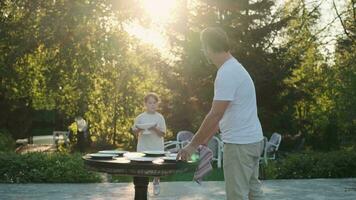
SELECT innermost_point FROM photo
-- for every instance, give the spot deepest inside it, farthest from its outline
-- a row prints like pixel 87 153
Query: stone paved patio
pixel 313 189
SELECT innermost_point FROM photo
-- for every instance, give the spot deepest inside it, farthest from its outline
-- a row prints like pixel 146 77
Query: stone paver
pixel 313 189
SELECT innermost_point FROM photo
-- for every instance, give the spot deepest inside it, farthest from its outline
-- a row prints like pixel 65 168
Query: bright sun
pixel 160 12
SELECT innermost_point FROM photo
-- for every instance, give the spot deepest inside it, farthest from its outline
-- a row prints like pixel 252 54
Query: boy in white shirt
pixel 152 139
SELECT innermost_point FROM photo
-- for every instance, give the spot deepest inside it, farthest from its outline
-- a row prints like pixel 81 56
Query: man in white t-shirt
pixel 234 112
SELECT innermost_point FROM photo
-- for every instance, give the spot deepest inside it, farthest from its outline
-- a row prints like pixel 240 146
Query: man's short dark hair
pixel 215 38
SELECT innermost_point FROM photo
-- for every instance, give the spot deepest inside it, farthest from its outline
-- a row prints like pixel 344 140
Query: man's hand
pixel 207 129
pixel 185 153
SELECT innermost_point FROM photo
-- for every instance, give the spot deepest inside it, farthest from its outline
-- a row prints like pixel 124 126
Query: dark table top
pixel 123 166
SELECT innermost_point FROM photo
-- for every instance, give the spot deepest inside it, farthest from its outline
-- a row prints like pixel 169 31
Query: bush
pixel 7 143
pixel 335 164
pixel 44 168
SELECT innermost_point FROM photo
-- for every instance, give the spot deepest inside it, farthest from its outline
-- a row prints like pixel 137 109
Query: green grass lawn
pixel 215 175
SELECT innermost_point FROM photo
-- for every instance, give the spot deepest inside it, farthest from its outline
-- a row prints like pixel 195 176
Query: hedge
pixel 44 168
pixel 334 164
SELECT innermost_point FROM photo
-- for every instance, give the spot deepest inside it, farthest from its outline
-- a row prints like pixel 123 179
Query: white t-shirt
pixel 240 123
pixel 150 141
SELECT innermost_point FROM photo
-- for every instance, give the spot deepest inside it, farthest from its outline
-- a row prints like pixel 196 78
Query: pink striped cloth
pixel 204 167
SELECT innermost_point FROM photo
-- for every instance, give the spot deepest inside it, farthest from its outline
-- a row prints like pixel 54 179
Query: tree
pixel 75 58
pixel 344 77
pixel 252 27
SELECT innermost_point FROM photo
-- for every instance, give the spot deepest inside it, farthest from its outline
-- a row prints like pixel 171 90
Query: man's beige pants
pixel 241 163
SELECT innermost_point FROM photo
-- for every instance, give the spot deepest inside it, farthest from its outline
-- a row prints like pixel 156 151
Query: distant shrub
pixel 7 143
pixel 44 168
pixel 334 164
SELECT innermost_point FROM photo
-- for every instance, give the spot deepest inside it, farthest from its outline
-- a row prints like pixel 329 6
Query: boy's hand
pixel 138 129
pixel 157 130
pixel 153 128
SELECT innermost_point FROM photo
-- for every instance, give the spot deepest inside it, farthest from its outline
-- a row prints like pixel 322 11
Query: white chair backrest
pixel 184 136
pixel 274 142
pixel 265 143
pixel 214 145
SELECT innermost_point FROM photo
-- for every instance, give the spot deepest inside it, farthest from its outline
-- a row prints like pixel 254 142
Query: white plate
pixel 158 161
pixel 112 152
pixel 169 158
pixel 155 152
pixel 172 155
pixel 130 155
pixel 145 125
pixel 121 160
pixel 143 159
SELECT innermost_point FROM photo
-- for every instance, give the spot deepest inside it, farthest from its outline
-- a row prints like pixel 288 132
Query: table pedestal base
pixel 141 184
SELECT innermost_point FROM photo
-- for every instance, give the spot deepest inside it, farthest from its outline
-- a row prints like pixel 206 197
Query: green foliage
pixel 252 27
pixel 305 84
pixel 44 168
pixel 7 143
pixel 334 164
pixel 120 179
pixel 311 98
pixel 76 59
pixel 216 175
pixel 343 85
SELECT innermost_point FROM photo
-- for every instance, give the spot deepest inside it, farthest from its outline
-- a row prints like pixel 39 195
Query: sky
pixel 328 14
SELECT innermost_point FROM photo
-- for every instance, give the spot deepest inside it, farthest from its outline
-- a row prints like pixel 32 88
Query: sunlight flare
pixel 160 11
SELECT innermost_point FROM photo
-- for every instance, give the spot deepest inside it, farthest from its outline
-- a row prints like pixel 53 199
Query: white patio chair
pixel 172 146
pixel 183 138
pixel 60 135
pixel 215 145
pixel 271 147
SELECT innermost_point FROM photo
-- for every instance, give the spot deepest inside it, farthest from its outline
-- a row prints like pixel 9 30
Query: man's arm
pixel 210 124
pixel 207 129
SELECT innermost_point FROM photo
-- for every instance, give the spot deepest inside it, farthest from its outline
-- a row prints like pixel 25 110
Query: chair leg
pixel 262 172
pixel 219 156
pixel 219 163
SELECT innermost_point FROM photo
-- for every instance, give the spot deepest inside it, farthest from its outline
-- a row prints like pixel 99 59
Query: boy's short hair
pixel 215 38
pixel 153 95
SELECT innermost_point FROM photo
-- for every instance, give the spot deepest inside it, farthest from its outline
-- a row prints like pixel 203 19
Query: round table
pixel 140 171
